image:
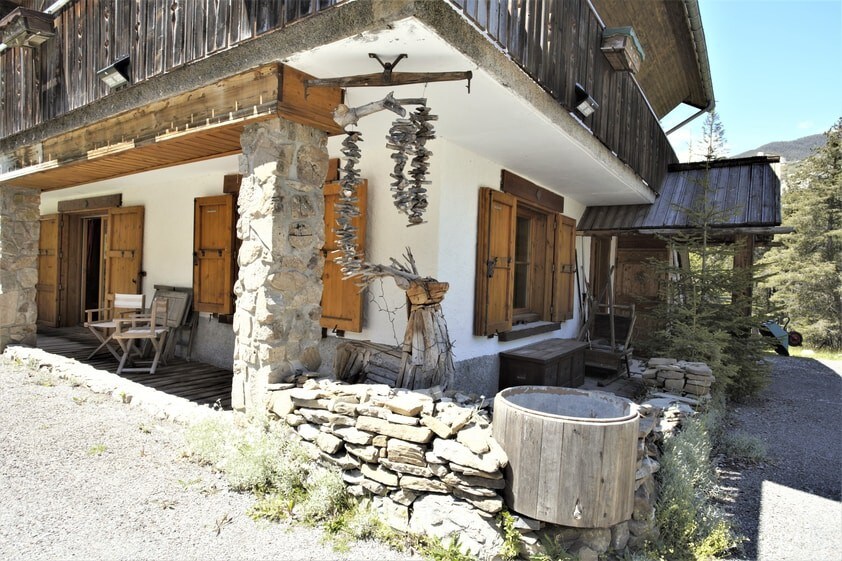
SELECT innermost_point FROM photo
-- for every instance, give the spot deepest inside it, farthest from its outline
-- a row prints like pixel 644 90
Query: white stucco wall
pixel 445 247
pixel 167 197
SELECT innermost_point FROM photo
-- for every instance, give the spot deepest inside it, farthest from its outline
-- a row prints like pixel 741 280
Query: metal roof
pixel 742 193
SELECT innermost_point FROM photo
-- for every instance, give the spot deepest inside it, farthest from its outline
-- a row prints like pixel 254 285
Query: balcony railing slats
pixel 557 42
pixel 159 35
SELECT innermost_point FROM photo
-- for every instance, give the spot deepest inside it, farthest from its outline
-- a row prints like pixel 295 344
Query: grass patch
pixel 823 354
pixel 692 527
pixel 742 447
pixel 97 450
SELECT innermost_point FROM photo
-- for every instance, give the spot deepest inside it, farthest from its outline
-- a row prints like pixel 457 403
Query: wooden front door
pixel 124 250
pixel 47 289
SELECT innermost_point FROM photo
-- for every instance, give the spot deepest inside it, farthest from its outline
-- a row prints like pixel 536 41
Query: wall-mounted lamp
pixel 26 28
pixel 117 75
pixel 585 104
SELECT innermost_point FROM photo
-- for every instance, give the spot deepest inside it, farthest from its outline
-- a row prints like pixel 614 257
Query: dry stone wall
pixel 19 233
pixel 427 461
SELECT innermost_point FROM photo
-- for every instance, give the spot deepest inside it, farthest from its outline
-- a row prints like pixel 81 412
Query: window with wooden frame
pixel 525 258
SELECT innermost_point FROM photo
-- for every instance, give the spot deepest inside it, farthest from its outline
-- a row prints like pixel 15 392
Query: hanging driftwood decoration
pixel 348 208
pixel 426 357
pixel 408 138
pixel 420 164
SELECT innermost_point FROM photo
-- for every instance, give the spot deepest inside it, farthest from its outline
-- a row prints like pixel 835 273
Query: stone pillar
pixel 279 286
pixel 19 230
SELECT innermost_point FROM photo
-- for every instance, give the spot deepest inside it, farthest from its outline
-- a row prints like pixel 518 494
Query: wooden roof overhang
pixel 743 194
pixel 676 69
pixel 196 125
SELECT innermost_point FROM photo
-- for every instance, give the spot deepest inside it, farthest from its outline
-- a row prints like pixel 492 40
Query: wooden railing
pixel 37 85
pixel 557 42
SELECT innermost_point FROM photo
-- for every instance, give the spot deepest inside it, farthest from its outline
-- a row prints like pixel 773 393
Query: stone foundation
pixel 19 232
pixel 279 286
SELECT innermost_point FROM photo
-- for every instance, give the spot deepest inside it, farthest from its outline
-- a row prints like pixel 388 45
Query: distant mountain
pixel 792 150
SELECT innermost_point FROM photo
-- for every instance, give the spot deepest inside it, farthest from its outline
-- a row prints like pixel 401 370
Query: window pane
pixel 521 276
pixel 522 240
pixel 521 288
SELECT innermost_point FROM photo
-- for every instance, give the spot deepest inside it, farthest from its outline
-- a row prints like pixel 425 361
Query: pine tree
pixel 807 268
pixel 702 309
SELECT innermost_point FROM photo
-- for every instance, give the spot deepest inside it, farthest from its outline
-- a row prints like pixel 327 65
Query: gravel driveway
pixel 789 507
pixel 83 476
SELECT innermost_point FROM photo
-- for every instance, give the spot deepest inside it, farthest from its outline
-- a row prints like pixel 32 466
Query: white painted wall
pixel 445 247
pixel 167 197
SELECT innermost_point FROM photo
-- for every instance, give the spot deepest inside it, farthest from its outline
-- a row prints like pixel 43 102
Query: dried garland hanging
pixel 408 137
pixel 420 163
pixel 348 207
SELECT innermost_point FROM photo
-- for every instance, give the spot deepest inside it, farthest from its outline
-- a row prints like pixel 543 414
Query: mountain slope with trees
pixel 792 150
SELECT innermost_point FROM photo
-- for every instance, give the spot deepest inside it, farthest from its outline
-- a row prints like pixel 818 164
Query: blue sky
pixel 776 68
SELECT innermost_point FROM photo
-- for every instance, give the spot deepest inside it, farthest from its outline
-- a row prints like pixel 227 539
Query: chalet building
pixel 189 145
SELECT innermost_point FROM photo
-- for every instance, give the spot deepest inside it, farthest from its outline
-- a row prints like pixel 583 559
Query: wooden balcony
pixel 37 85
pixel 557 43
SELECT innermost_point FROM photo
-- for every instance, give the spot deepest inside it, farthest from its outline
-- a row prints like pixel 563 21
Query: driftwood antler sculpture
pixel 344 115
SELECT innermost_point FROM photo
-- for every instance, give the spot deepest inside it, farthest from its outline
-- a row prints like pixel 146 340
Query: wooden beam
pixel 199 124
pixel 91 203
pixel 530 192
pixel 394 79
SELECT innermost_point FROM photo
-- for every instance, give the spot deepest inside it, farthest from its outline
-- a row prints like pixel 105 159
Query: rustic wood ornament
pixel 426 356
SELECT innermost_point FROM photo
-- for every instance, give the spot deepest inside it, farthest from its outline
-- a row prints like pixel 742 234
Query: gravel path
pixel 789 507
pixel 83 476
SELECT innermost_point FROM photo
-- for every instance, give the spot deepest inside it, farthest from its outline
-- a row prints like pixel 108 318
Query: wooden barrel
pixel 572 454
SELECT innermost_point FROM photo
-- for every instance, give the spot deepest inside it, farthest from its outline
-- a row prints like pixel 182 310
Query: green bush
pixel 692 527
pixel 742 447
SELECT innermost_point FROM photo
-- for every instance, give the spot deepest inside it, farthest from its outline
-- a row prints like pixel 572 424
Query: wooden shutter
pixel 47 289
pixel 124 250
pixel 495 262
pixel 342 299
pixel 213 250
pixel 564 262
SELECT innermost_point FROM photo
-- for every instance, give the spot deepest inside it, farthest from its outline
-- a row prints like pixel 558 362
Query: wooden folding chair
pixel 117 306
pixel 151 328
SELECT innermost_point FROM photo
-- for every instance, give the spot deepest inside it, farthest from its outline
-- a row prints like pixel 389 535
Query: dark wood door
pixel 47 289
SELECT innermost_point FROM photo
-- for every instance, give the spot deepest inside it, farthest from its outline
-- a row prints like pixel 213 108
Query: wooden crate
pixel 553 362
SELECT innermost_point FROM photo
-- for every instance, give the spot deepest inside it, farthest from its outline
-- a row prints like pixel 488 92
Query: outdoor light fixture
pixel 26 28
pixel 585 104
pixel 117 75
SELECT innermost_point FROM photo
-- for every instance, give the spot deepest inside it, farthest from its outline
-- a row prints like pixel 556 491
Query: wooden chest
pixel 553 362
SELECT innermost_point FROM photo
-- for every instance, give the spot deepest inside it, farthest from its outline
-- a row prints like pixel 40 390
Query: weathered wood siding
pixel 37 85
pixel 557 42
